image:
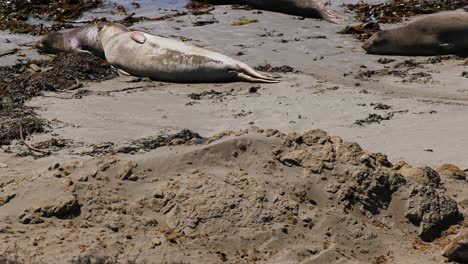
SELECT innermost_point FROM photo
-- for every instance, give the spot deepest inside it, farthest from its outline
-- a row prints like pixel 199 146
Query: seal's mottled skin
pixel 82 39
pixel 305 8
pixel 145 55
pixel 439 34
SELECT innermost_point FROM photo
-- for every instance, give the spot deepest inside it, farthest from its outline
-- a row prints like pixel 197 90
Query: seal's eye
pixel 101 26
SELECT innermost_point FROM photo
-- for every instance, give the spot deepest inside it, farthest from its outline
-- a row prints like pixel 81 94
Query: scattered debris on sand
pixel 222 95
pixel 244 22
pixel 184 137
pixel 373 118
pixel 377 118
pixel 397 10
pixel 25 80
pixel 380 106
pixel 407 71
pixel 280 69
pixel 362 32
pixel 210 94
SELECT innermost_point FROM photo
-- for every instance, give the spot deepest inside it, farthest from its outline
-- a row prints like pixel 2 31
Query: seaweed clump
pixel 396 10
pixel 269 68
pixel 14 14
pixel 362 32
pixel 182 137
pixel 21 82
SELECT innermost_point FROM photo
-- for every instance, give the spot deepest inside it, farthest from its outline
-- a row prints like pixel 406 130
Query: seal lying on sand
pixel 439 34
pixel 305 8
pixel 145 55
pixel 82 39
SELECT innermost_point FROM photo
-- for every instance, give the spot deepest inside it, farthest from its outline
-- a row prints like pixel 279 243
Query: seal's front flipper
pixel 138 37
pixel 84 51
pixel 123 73
pixel 447 47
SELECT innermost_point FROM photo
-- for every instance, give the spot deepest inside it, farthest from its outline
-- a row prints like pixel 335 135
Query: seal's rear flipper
pixel 138 37
pixel 253 73
pixel 247 78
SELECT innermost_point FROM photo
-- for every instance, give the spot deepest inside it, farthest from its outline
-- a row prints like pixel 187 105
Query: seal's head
pixel 51 43
pixel 108 30
pixel 379 44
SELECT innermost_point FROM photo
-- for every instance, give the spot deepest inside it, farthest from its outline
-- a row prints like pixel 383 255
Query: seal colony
pixel 439 34
pixel 141 54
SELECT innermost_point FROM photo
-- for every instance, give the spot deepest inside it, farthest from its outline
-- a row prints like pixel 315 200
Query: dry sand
pixel 237 199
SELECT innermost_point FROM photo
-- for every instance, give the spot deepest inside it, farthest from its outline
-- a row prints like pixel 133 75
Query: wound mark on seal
pixel 154 45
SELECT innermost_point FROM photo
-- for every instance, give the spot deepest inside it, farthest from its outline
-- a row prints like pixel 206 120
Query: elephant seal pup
pixel 144 55
pixel 439 34
pixel 82 39
pixel 305 8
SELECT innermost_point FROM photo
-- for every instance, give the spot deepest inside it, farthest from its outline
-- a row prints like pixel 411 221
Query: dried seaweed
pixel 282 69
pixel 396 10
pixel 14 14
pixel 23 81
pixel 362 32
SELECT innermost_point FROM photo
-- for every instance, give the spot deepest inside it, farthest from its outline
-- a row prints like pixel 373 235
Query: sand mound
pixel 260 196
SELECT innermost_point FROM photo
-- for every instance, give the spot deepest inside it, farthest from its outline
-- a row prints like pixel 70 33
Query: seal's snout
pixel 367 45
pixel 38 45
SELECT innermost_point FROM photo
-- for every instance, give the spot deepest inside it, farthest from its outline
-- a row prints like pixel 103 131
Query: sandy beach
pixel 226 197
